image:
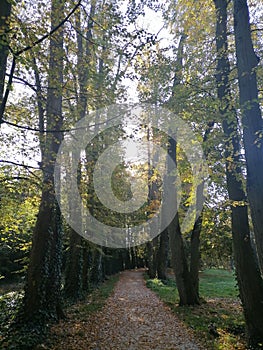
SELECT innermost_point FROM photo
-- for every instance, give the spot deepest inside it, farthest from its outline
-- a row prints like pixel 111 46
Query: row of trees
pixel 218 90
pixel 79 65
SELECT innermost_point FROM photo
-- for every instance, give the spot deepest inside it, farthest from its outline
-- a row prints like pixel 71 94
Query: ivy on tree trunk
pixel 42 300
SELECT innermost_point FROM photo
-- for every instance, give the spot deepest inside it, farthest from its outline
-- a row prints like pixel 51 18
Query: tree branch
pixel 56 131
pixel 19 164
pixel 27 48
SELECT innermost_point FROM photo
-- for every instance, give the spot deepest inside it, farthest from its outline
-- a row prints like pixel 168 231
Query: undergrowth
pixel 33 336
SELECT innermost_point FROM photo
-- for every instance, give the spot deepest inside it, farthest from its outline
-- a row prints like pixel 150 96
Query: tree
pixel 187 290
pixel 5 12
pixel 187 279
pixel 42 300
pixel 4 28
pixel 162 255
pixel 249 279
pixel 252 122
pixel 78 255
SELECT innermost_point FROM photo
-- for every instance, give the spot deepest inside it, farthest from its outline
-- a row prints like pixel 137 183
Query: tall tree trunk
pixel 162 255
pixel 185 286
pixel 186 279
pixel 248 275
pixel 184 283
pixel 252 122
pixel 195 253
pixel 196 232
pixel 73 276
pixel 87 263
pixel 97 273
pixel 150 257
pixel 152 246
pixel 152 249
pixel 5 10
pixel 73 288
pixel 43 285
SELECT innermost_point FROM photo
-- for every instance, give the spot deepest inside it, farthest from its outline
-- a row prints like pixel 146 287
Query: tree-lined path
pixel 133 318
pixel 130 137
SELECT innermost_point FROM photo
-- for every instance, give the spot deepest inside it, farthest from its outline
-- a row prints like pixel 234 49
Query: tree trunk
pixel 42 291
pixel 252 122
pixel 184 276
pixel 195 254
pixel 5 10
pixel 74 270
pixel 185 286
pixel 87 259
pixel 150 260
pixel 133 258
pixel 73 274
pixel 97 274
pixel 162 255
pixel 248 275
pixel 73 277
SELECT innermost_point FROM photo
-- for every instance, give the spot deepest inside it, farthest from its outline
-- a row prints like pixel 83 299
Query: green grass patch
pixel 218 284
pixel 97 299
pixel 218 322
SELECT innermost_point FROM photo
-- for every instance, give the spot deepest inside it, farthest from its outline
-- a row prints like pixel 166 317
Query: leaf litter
pixel 133 318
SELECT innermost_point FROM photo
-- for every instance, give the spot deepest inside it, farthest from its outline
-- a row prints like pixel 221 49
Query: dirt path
pixel 133 318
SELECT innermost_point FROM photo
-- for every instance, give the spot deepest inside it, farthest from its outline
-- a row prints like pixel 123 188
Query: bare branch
pixel 19 164
pixel 56 131
pixel 27 48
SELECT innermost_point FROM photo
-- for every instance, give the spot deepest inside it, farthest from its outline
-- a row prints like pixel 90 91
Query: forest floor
pixel 132 318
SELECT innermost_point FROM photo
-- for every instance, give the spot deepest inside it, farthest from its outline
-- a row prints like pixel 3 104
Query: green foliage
pixel 216 236
pixel 9 305
pixel 18 209
pixel 15 336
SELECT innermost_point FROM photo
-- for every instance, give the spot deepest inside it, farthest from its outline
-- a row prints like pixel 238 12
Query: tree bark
pixel 150 260
pixel 43 285
pixel 184 283
pixel 5 11
pixel 186 278
pixel 87 259
pixel 73 277
pixel 248 275
pixel 97 273
pixel 252 122
pixel 74 270
pixel 162 255
pixel 195 254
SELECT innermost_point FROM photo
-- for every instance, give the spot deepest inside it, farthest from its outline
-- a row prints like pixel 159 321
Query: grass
pixel 220 314
pixel 218 284
pixel 97 299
